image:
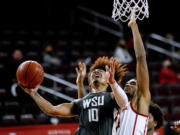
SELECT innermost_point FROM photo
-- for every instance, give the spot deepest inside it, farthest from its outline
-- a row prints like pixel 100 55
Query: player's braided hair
pixel 120 69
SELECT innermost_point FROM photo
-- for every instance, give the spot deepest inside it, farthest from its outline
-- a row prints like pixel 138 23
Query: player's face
pixel 131 87
pixel 98 77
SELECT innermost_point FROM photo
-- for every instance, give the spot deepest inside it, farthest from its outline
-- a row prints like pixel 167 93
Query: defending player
pixel 96 109
pixel 134 120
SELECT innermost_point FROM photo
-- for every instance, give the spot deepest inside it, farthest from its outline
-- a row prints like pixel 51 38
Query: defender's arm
pixel 141 69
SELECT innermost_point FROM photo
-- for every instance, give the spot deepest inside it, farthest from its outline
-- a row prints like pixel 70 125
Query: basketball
pixel 30 74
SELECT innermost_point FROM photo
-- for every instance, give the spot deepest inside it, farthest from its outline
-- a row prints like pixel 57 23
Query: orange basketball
pixel 30 74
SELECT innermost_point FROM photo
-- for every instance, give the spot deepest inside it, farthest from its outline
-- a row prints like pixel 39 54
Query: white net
pixel 122 9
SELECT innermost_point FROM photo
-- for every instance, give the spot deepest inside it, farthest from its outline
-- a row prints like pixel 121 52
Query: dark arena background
pixel 59 34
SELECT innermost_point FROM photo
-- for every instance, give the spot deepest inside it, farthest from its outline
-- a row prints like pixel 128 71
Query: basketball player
pixel 155 118
pixel 96 109
pixel 134 120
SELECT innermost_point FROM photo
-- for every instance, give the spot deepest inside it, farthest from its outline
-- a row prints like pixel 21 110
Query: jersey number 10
pixel 93 115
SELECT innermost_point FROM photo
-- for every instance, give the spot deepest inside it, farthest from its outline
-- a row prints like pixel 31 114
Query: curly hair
pixel 157 114
pixel 120 69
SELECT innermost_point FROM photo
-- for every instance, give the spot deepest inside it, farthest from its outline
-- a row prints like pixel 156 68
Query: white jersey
pixel 130 122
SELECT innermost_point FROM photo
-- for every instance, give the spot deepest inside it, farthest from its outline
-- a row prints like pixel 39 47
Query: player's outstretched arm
pixel 49 109
pixel 141 69
pixel 119 94
pixel 81 74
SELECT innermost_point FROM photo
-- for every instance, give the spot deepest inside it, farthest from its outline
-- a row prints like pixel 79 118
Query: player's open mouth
pixel 96 75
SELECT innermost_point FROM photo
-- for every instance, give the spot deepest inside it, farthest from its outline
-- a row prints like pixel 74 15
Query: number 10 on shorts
pixel 93 115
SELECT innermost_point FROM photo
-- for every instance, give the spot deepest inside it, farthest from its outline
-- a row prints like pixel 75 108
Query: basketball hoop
pixel 122 9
